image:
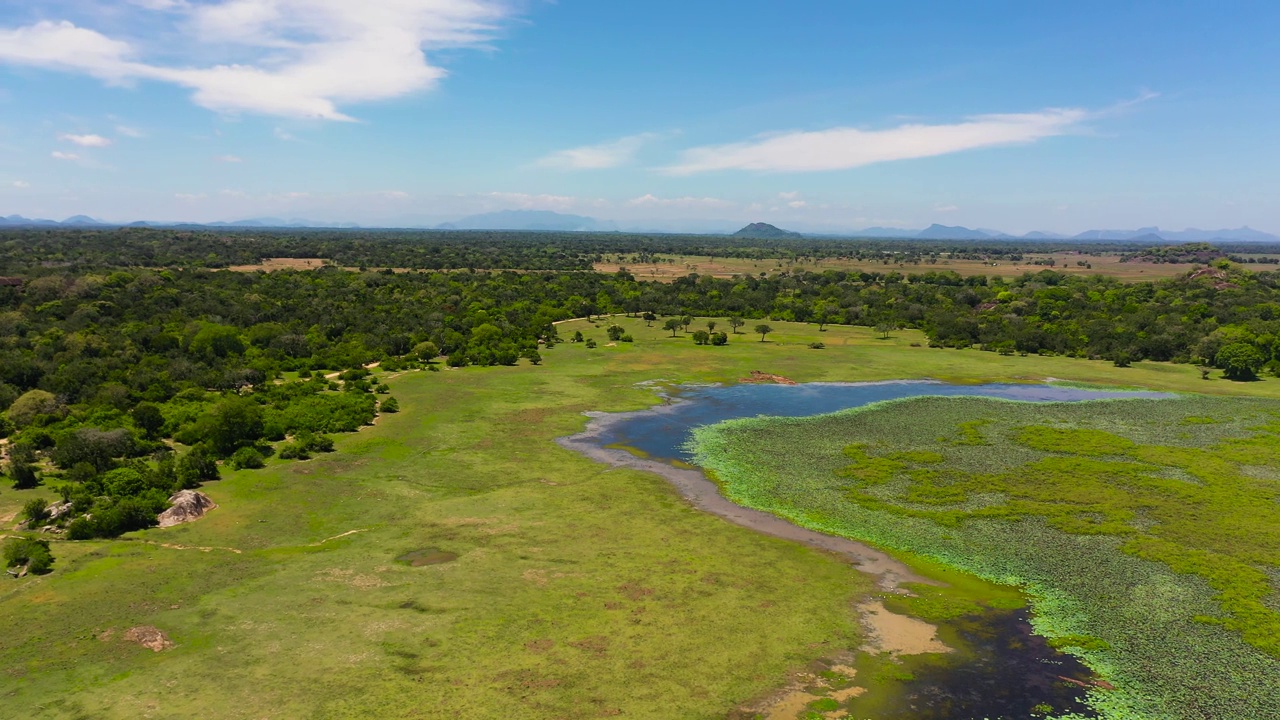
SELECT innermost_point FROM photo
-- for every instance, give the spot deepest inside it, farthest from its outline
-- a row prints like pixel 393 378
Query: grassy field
pixel 577 592
pixel 1109 264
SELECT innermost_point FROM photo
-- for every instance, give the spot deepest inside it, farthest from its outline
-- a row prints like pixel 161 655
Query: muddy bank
pixel 695 487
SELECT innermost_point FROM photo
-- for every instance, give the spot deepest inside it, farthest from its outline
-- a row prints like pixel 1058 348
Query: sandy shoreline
pixel 703 494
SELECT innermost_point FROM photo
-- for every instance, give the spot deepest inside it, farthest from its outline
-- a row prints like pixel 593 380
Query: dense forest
pixel 34 251
pixel 130 368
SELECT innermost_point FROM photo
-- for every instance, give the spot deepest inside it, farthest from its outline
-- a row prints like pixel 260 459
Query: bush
pixel 389 406
pixel 591 343
pixel 817 346
pixel 196 467
pixel 32 405
pixel 382 389
pixel 627 338
pixel 24 475
pixel 125 515
pixel 719 339
pixel 35 511
pixel 30 552
pixel 247 458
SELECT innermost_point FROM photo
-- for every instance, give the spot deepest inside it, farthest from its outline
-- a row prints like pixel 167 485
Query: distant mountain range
pixel 533 220
pixel 547 221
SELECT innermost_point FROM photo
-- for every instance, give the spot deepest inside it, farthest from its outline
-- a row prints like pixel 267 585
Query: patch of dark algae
pixel 1001 670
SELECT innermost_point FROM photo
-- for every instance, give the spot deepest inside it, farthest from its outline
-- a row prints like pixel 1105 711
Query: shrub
pixel 817 346
pixel 719 339
pixel 197 466
pixel 382 389
pixel 591 343
pixel 35 511
pixel 30 552
pixel 389 406
pixel 247 458
pixel 24 475
pixel 627 338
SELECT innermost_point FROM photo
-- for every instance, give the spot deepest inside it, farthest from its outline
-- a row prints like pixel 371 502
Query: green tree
pixel 23 474
pixel 673 325
pixel 1240 361
pixel 686 321
pixel 33 404
pixel 197 466
pixel 148 418
pixel 426 351
pixel 235 423
pixel 390 405
pixel 719 339
pixel 763 330
pixel 533 356
pixel 884 329
pixel 649 318
pixel 711 326
pixel 736 322
pixel 701 337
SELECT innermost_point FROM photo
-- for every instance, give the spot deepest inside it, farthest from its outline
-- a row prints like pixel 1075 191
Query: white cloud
pixel 797 204
pixel 282 134
pixel 598 157
pixel 843 148
pixel 789 195
pixel 21 184
pixel 946 208
pixel 89 141
pixel 395 195
pixel 190 196
pixel 654 201
pixel 59 155
pixel 297 58
pixel 525 201
pixel 129 132
pixel 229 159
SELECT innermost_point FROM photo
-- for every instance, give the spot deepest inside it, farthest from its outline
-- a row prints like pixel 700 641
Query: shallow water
pixel 1004 670
pixel 662 432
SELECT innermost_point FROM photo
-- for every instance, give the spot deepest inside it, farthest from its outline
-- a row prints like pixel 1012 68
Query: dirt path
pixel 694 486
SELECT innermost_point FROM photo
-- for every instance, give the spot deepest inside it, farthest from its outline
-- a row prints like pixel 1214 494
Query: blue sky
pixel 815 115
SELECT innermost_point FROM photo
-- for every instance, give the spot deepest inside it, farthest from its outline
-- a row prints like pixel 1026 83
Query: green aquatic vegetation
pixel 1077 441
pixel 1145 542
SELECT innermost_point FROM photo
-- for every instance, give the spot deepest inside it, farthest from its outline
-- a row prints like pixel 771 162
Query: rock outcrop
pixel 188 505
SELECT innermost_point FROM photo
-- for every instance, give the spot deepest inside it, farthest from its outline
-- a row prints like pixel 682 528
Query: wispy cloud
pixel 21 184
pixel 598 157
pixel 686 202
pixel 89 141
pixel 59 155
pixel 282 134
pixel 843 148
pixel 229 159
pixel 129 132
pixel 298 58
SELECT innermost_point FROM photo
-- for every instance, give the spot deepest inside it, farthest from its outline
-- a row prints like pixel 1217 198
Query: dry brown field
pixel 682 265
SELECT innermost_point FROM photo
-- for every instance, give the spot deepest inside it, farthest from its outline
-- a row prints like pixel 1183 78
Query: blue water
pixel 662 433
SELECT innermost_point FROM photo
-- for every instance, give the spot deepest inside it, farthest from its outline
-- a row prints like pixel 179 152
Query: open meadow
pixel 453 561
pixel 669 268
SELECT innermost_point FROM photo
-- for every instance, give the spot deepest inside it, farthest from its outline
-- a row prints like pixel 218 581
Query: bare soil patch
pixel 149 637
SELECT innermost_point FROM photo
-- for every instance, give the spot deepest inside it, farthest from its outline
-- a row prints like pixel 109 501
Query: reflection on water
pixel 662 433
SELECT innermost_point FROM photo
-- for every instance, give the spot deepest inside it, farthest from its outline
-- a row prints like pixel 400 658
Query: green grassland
pixel 578 590
pixel 1145 528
